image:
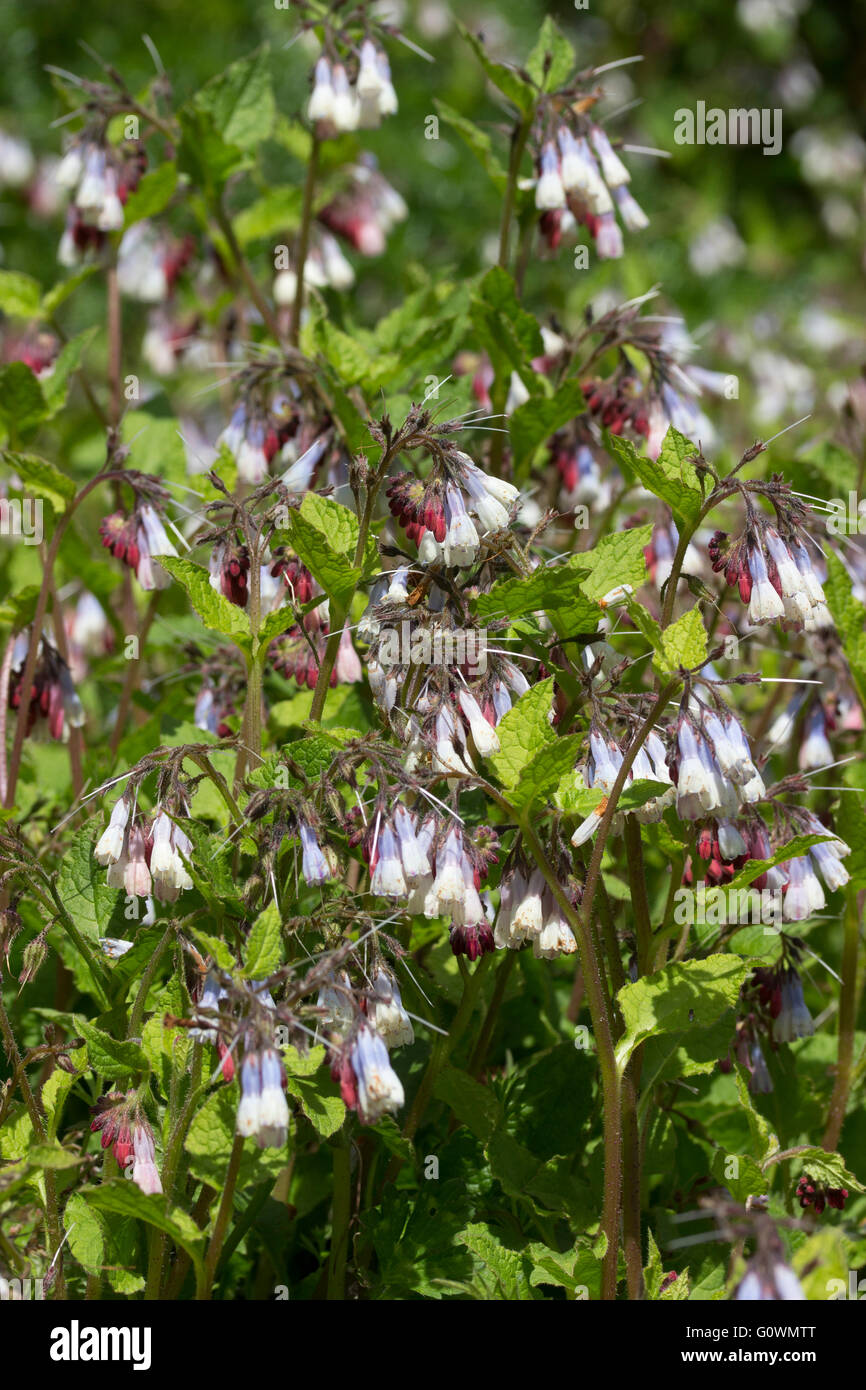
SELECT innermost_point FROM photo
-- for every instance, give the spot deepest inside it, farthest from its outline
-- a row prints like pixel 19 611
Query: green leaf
pixel 211 1138
pixel 215 947
pixel 617 559
pixel 691 994
pixel 753 869
pixel 740 1174
pixel 43 478
pixel 849 615
pixel 214 610
pixel 85 895
pixel 240 101
pixel 55 388
pixel 19 295
pixel 478 141
pixel 545 770
pixel 59 293
pixel 473 1104
pixel 549 589
pixel 126 1199
pixel 505 1272
pixel 764 1139
pixel 263 952
pixel 325 535
pixel 552 59
pixel 684 644
pixel 829 1169
pixel 22 403
pixel 107 1056
pixel 275 213
pixel 507 79
pixel 671 476
pixel 525 729
pixel 577 1270
pixel 508 331
pixel 153 194
pixel 309 1081
pixel 532 423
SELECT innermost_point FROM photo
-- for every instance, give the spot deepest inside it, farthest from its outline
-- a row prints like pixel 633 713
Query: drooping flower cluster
pixel 256 432
pixel 603 766
pixel 817 1195
pixel 149 260
pixel 123 1127
pixel 581 177
pixel 368 1082
pixel 263 1112
pixel 774 574
pixel 452 510
pixel 138 539
pixel 529 914
pixel 366 211
pixel 340 102
pixel 144 858
pixel 713 768
pixel 53 696
pixel 101 178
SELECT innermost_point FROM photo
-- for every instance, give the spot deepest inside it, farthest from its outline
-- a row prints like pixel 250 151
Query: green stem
pixel 303 243
pixel 340 1217
pixel 146 981
pixel 518 144
pixel 602 1027
pixel 205 1290
pixel 479 1052
pixel 169 1171
pixel 53 1232
pixel 848 998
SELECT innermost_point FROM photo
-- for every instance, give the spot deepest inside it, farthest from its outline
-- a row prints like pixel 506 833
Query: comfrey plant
pixel 371 710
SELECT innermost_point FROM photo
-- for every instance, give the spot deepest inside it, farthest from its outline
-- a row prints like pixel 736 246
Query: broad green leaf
pixel 240 101
pixel 829 1169
pixel 22 402
pixel 43 478
pixel 478 140
pixel 509 332
pixel 849 615
pixel 683 644
pixel 552 59
pixel 525 729
pixel 507 79
pixel 740 1174
pixel 690 994
pixel 153 194
pixel 276 213
pixel 263 951
pixel 109 1057
pixel 19 295
pixel 532 423
pixel 59 293
pixel 309 1081
pixel 473 1104
pixel 126 1199
pixel 505 1273
pixel 325 535
pixel 753 868
pixel 671 476
pixel 211 1137
pixel 549 589
pixel 545 770
pixel 213 608
pixel 617 560
pixel 764 1139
